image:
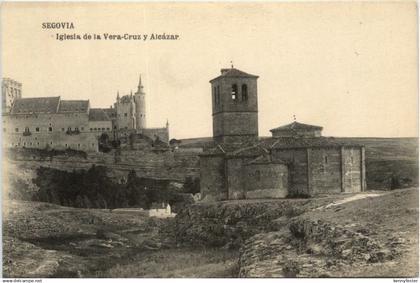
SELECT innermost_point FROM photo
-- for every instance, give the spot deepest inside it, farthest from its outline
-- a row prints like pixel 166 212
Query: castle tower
pixel 234 107
pixel 10 91
pixel 140 101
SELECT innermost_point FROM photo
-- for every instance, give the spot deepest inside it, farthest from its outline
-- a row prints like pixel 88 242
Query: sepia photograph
pixel 210 140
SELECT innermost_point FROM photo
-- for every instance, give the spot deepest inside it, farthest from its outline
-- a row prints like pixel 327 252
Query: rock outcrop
pixel 230 223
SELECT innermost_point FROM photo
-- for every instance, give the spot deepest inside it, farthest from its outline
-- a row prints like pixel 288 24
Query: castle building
pixel 51 122
pixel 297 161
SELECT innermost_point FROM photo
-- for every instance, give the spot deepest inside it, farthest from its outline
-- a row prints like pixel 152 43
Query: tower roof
pixel 233 73
pixel 296 126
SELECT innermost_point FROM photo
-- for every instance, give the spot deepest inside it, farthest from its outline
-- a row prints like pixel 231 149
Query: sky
pixel 351 67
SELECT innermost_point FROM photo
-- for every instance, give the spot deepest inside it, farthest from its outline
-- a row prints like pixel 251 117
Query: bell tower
pixel 234 107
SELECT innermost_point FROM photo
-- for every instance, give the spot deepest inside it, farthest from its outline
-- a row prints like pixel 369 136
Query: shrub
pixel 292 211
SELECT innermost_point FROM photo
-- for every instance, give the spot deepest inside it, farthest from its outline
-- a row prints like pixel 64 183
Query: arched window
pixel 234 92
pixel 244 92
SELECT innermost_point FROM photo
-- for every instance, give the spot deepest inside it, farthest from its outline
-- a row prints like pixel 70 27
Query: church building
pixel 297 161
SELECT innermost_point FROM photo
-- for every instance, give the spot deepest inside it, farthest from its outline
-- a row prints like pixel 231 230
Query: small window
pixel 103 129
pixel 51 142
pixel 234 92
pixel 82 128
pixel 16 130
pixel 91 129
pixel 49 129
pixel 95 129
pixel 244 92
pixel 326 159
pixel 62 129
pixel 107 129
pixel 125 114
pixel 26 129
pixel 37 129
pixel 78 145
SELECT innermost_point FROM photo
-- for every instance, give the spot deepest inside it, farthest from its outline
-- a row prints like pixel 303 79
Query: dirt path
pixel 352 198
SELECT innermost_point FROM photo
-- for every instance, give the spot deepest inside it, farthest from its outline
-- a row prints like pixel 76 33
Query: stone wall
pixel 298 169
pixel 212 178
pixel 352 170
pixel 161 165
pixel 153 133
pixel 59 140
pixel 324 170
pixel 235 182
pixel 49 129
pixel 266 180
pixel 235 126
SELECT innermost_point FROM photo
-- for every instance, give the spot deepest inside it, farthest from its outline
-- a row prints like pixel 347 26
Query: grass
pixel 207 263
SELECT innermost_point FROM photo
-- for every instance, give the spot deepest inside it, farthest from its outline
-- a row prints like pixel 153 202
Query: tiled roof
pixel 67 106
pixel 296 126
pixel 266 145
pixel 262 159
pixel 111 112
pixel 280 143
pixel 98 114
pixel 35 105
pixel 234 73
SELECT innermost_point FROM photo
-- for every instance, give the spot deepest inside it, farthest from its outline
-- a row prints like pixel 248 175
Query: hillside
pixel 370 234
pixel 365 235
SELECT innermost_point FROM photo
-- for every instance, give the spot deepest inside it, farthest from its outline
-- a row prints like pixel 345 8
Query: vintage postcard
pixel 210 140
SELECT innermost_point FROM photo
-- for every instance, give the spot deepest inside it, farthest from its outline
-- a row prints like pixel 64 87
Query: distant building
pixel 160 210
pixel 55 123
pixel 297 161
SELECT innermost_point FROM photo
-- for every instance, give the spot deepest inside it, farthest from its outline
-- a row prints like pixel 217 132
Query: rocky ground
pixel 373 236
pixel 45 240
pixel 370 234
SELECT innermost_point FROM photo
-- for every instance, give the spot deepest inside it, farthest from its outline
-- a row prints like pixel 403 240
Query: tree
pixel 192 185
